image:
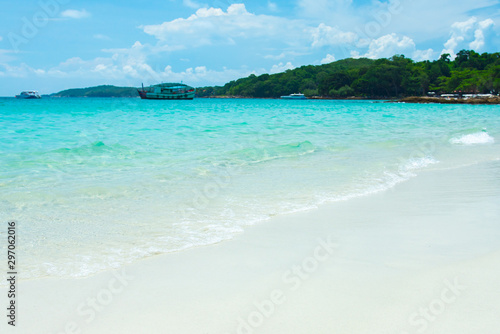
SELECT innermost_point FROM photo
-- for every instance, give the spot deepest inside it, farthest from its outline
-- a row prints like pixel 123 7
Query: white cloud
pixel 101 36
pixel 486 24
pixel 479 41
pixel 356 54
pixel 285 54
pixel 470 31
pixel 212 26
pixel 327 35
pixel 75 14
pixel 126 67
pixel 451 45
pixel 199 75
pixel 328 59
pixel 6 56
pixel 273 7
pixel 191 4
pixel 420 55
pixel 130 66
pixel 464 26
pixel 20 71
pixel 281 68
pixel 387 46
pixel 422 20
pixel 278 57
pixel 390 45
pixel 459 30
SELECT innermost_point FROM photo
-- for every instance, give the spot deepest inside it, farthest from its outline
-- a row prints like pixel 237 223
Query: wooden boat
pixel 167 91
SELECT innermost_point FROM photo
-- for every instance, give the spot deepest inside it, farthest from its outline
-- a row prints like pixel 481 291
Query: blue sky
pixel 50 45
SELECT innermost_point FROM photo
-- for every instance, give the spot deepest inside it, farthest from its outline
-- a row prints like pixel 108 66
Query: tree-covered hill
pixel 397 76
pixel 469 72
pixel 99 91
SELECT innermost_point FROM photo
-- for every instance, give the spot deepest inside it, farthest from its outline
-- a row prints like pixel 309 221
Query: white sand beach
pixel 422 257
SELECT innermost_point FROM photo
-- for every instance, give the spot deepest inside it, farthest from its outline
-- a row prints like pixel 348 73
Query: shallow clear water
pixel 96 183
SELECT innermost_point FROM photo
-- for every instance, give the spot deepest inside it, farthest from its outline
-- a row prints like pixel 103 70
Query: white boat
pixel 28 94
pixel 295 96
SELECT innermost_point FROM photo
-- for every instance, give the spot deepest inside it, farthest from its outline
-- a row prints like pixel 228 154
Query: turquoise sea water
pixel 96 183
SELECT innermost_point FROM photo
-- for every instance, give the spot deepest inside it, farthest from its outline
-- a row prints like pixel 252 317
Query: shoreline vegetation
pixel 387 78
pixel 396 78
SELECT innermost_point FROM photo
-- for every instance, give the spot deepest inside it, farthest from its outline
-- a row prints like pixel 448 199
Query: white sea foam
pixel 387 180
pixel 417 163
pixel 473 139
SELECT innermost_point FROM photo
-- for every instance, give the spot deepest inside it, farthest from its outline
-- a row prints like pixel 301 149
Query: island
pixel 396 78
pixel 98 91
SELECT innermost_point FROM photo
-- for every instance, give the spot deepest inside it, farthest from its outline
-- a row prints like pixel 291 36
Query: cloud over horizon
pixel 75 14
pixel 467 34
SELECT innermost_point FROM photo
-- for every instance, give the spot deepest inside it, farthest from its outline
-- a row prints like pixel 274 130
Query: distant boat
pixel 167 91
pixel 28 94
pixel 296 96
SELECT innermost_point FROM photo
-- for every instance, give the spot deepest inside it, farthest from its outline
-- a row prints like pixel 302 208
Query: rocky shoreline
pixel 425 99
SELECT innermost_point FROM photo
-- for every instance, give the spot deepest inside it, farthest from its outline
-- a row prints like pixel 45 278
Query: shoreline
pixel 364 264
pixel 425 99
pixel 411 99
pixel 353 98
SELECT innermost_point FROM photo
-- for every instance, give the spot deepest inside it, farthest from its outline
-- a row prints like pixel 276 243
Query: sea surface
pixel 95 183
